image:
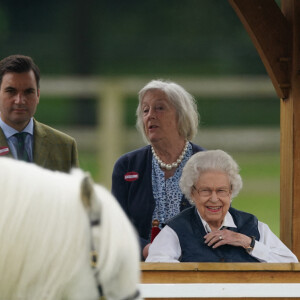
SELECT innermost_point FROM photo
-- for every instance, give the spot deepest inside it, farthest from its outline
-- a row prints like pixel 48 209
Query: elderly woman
pixel 146 181
pixel 213 231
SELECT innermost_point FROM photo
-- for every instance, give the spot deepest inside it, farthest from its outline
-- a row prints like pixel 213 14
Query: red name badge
pixel 4 150
pixel 131 176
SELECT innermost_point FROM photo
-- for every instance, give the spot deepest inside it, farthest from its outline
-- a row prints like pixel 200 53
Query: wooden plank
pixel 227 273
pixel 200 266
pixel 275 35
pixel 271 35
pixel 220 277
pixel 243 298
pixel 110 130
pixel 221 87
pixel 238 298
pixel 286 171
pixel 296 131
pixel 290 140
pixel 229 290
pixel 220 273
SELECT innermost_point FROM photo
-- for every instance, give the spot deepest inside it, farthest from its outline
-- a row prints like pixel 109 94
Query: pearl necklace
pixel 174 164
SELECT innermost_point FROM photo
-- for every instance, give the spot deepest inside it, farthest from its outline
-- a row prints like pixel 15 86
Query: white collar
pixel 227 222
pixel 9 131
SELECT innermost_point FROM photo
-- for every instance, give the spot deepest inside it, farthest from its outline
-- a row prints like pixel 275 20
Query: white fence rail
pixel 221 290
pixel 112 91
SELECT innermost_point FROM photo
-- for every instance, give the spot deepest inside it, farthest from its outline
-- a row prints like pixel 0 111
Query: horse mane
pixel 44 233
pixel 119 259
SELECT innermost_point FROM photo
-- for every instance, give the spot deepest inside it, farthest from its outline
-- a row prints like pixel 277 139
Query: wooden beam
pixel 220 273
pixel 276 36
pixel 216 273
pixel 271 35
pixel 290 140
pixel 286 171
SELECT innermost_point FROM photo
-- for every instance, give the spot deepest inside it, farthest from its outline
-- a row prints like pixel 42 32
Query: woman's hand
pixel 227 237
pixel 146 250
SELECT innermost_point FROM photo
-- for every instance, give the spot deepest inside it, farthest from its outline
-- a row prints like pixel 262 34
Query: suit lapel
pixel 41 149
pixel 4 149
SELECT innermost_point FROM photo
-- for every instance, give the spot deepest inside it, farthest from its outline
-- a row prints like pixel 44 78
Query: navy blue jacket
pixel 132 186
pixel 190 231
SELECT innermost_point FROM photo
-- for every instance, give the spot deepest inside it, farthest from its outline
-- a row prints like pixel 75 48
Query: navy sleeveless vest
pixel 190 231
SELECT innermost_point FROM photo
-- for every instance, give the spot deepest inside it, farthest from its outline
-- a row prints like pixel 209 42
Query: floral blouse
pixel 166 192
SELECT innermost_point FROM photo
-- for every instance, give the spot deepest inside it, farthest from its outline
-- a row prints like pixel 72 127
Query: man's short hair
pixel 19 64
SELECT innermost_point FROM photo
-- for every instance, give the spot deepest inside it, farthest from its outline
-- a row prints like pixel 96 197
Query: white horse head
pixel 46 237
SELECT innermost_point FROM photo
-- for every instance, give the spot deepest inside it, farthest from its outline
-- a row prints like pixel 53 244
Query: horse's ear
pixel 87 191
pixel 89 198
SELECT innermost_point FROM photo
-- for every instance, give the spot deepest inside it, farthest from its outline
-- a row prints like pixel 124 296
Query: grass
pixel 261 194
pixel 88 161
pixel 260 173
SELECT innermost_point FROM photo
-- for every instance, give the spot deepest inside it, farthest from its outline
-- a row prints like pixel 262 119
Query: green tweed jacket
pixel 52 149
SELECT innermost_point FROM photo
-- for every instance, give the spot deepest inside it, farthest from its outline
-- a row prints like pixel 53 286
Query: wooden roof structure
pixel 275 32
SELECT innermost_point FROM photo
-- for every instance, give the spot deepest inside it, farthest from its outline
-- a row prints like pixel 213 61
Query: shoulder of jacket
pixel 46 129
pixel 136 154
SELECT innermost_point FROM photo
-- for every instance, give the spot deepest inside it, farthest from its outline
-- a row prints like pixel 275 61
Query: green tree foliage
pixel 157 38
pixel 129 37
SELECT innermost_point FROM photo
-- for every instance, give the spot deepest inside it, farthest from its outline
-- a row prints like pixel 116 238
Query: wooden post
pixel 275 34
pixel 290 139
pixel 110 128
pixel 271 35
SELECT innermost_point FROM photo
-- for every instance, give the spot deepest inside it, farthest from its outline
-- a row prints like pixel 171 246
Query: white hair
pixel 45 237
pixel 183 102
pixel 209 160
pixel 119 260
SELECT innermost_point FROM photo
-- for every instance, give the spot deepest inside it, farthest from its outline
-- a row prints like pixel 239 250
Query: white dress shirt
pixel 269 248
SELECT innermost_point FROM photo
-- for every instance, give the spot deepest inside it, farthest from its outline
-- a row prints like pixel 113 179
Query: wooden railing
pixel 110 93
pixel 220 280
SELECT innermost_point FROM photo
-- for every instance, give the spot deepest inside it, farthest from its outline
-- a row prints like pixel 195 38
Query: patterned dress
pixel 166 192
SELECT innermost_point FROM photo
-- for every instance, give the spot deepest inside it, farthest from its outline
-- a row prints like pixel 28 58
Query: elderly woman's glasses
pixel 207 192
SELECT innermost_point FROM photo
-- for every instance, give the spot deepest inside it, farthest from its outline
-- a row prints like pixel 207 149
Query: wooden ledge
pixel 220 266
pixel 220 273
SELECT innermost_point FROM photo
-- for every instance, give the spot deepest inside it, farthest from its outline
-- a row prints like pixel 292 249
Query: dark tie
pixel 21 151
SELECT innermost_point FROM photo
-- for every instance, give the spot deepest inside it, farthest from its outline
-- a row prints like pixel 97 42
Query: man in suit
pixel 19 97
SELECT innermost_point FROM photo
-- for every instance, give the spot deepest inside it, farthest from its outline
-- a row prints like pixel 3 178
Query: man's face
pixel 19 97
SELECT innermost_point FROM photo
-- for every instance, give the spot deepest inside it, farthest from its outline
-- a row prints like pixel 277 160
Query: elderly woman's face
pixel 159 116
pixel 212 196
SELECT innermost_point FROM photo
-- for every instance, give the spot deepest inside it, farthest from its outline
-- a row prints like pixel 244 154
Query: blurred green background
pixel 156 39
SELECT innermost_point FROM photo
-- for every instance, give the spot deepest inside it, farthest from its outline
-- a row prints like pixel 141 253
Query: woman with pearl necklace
pixel 146 181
